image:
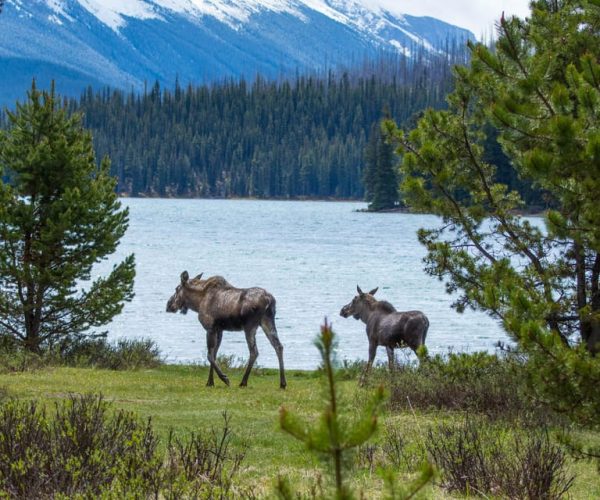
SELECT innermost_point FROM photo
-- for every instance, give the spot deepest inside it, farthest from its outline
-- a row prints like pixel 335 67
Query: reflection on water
pixel 309 255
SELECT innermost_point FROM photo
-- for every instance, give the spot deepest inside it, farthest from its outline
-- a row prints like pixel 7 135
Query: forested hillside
pixel 304 137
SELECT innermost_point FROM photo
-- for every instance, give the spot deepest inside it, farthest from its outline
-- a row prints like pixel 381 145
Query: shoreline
pixel 527 212
pixel 534 212
pixel 241 198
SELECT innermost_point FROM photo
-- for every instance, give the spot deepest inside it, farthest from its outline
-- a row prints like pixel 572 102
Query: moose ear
pixel 199 277
pixel 184 277
pixel 360 292
pixel 374 291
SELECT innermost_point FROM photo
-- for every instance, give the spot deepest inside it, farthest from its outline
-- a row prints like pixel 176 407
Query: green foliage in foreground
pixel 175 398
pixel 539 92
pixel 59 216
pixel 335 435
pixel 82 450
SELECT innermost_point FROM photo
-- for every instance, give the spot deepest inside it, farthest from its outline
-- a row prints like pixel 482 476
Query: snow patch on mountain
pixel 112 12
pixel 57 6
pixel 130 43
pixel 115 13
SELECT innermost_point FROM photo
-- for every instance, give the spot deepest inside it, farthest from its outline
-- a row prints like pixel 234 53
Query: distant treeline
pixel 304 137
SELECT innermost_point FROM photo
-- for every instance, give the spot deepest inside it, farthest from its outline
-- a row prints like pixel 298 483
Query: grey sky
pixel 476 15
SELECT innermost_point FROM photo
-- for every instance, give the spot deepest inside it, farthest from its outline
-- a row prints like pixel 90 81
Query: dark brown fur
pixel 221 306
pixel 386 326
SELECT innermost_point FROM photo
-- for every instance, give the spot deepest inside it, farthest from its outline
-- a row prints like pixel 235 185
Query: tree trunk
pixel 593 340
pixel 32 343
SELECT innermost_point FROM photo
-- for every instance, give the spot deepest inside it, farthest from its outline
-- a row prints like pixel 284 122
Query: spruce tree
pixel 386 182
pixel 539 90
pixel 380 177
pixel 370 169
pixel 59 216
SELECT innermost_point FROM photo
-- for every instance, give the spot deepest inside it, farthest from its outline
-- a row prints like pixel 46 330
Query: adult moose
pixel 386 326
pixel 220 307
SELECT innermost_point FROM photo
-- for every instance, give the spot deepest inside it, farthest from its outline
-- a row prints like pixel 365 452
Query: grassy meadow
pixel 176 398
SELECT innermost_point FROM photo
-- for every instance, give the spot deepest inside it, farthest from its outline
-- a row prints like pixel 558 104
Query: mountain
pixel 126 43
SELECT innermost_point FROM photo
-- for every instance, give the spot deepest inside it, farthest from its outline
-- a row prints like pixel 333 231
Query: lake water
pixel 309 255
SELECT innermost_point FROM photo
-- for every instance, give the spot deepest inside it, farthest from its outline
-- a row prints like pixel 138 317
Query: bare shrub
pixel 366 456
pixel 205 463
pixel 400 451
pixel 24 448
pixel 476 457
pixel 538 470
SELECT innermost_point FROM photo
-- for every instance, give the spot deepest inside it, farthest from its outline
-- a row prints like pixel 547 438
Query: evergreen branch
pixel 462 219
pixel 497 213
pixel 517 59
pixel 525 133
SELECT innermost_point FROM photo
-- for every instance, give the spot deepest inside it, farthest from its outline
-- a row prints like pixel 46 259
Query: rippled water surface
pixel 309 255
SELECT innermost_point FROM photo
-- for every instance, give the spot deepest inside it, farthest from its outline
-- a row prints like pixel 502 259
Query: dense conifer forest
pixel 293 138
pixel 301 137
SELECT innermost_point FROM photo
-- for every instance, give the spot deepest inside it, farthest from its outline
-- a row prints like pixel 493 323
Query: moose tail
pixel 270 310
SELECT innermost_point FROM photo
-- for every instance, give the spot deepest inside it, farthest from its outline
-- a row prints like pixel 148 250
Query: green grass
pixel 175 397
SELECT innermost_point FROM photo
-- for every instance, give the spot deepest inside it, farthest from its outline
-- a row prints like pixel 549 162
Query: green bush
pixel 15 359
pixel 85 450
pixel 124 354
pixel 480 382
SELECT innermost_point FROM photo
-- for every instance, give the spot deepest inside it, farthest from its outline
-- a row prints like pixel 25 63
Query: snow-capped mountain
pixel 124 43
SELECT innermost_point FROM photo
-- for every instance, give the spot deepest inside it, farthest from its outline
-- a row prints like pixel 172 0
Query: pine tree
pixel 539 90
pixel 336 435
pixel 59 215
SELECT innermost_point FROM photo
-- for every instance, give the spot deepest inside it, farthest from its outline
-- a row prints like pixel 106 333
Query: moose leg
pixel 212 337
pixel 268 325
pixel 391 359
pixel 372 352
pixel 251 341
pixel 211 380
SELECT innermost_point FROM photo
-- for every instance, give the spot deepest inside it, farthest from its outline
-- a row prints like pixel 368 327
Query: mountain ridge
pixel 129 43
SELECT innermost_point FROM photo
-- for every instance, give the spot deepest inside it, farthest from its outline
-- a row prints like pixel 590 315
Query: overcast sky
pixel 475 15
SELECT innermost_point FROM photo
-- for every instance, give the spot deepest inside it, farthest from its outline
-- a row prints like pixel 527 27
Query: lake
pixel 309 255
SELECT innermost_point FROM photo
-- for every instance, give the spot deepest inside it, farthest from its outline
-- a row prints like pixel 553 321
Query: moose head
pixel 360 303
pixel 178 301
